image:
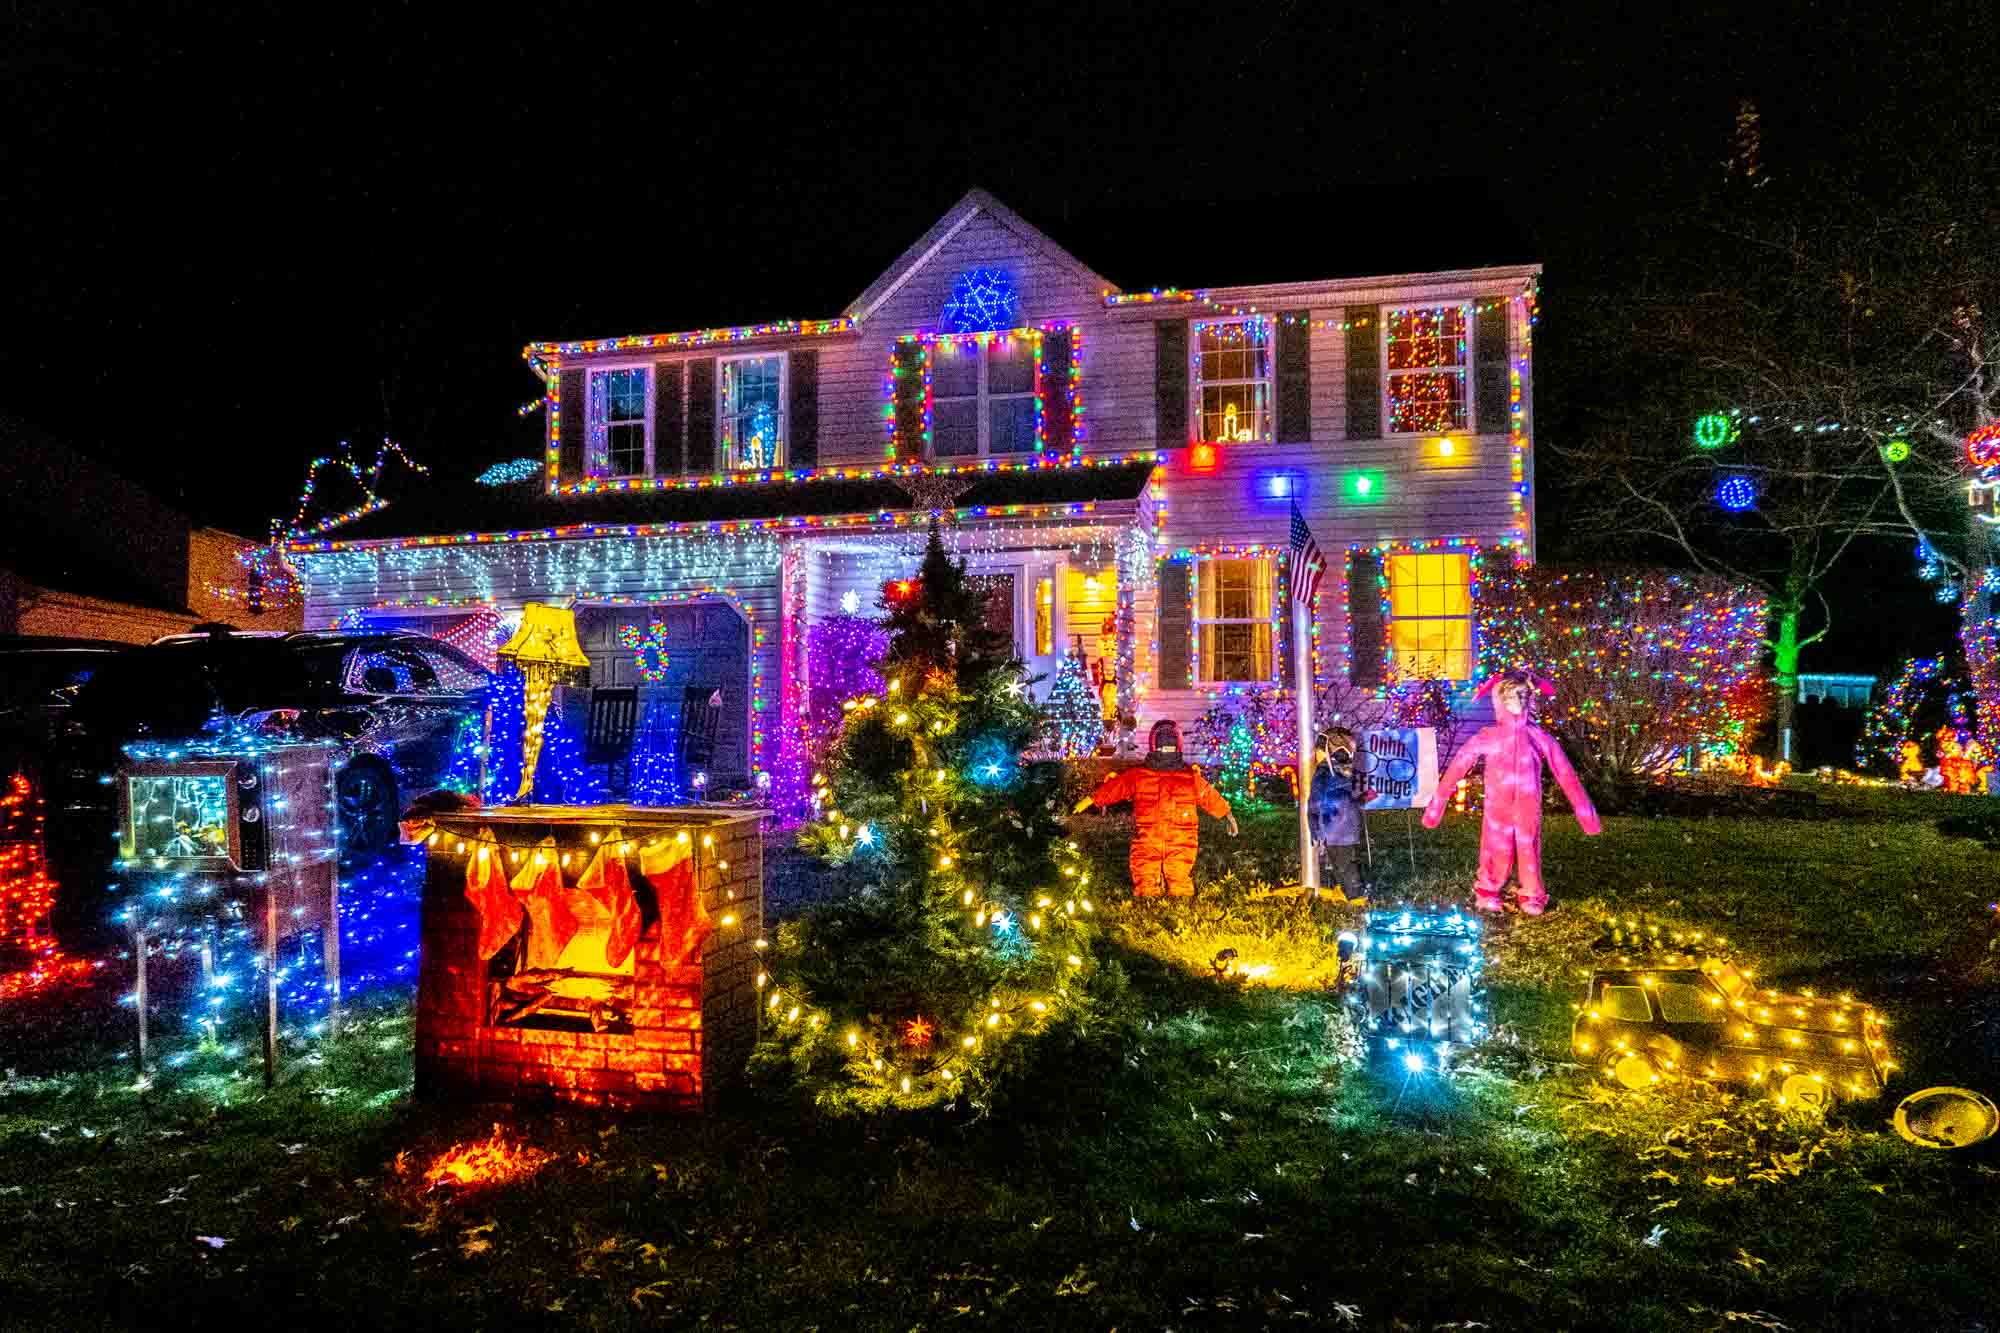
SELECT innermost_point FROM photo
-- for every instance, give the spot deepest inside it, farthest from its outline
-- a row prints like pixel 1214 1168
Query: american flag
pixel 1307 563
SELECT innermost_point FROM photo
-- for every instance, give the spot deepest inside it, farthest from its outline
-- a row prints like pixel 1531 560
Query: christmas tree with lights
pixel 970 938
pixel 1074 710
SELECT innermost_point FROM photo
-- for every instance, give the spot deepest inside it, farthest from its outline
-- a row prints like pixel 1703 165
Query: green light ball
pixel 1896 450
pixel 1713 431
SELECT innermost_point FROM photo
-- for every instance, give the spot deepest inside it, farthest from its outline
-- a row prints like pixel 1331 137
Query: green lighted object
pixel 1896 450
pixel 1714 430
pixel 1361 485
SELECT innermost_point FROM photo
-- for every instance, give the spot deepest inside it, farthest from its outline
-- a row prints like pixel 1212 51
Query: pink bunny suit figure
pixel 1514 749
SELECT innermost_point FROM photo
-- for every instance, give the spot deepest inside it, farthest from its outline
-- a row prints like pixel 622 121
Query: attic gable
pixel 964 217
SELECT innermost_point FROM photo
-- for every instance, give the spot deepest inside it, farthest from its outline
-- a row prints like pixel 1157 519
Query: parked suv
pixel 396 701
pixel 39 681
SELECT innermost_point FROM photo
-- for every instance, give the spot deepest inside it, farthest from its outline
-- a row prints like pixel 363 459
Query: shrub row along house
pixel 1118 468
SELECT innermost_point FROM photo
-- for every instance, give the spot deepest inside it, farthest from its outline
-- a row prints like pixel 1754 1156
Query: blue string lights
pixel 1736 493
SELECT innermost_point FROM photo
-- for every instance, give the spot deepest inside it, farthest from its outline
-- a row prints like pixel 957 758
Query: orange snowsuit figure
pixel 1953 763
pixel 1911 766
pixel 1165 792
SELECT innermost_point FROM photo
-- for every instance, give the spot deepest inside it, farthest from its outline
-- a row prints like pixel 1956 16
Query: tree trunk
pixel 1785 657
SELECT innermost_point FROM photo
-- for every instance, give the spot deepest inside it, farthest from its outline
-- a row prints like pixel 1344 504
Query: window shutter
pixel 1175 666
pixel 908 402
pixel 669 426
pixel 1170 383
pixel 701 415
pixel 574 429
pixel 1495 583
pixel 1295 377
pixel 1364 373
pixel 1283 629
pixel 1489 351
pixel 802 407
pixel 1367 636
pixel 1058 425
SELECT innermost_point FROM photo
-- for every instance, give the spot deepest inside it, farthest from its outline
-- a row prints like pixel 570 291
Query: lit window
pixel 1685 1002
pixel 1426 356
pixel 982 399
pixel 620 409
pixel 1627 1004
pixel 1430 614
pixel 1232 618
pixel 1232 371
pixel 750 412
pixel 1045 616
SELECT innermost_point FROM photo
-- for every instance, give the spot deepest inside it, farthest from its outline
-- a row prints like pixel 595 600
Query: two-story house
pixel 1119 468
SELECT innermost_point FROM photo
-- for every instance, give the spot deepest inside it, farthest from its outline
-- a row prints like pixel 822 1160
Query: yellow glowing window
pixel 1430 613
pixel 1684 1002
pixel 1232 615
pixel 1045 616
pixel 1424 353
pixel 1626 1004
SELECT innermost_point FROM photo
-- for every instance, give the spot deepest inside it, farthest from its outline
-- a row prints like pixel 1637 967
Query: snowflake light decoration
pixel 982 300
pixel 649 650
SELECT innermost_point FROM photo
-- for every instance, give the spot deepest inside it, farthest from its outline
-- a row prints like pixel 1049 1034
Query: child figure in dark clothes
pixel 1335 807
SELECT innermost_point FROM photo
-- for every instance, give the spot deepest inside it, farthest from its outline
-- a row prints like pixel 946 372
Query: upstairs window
pixel 620 422
pixel 982 398
pixel 1430 613
pixel 1233 626
pixel 1425 355
pixel 1232 374
pixel 750 413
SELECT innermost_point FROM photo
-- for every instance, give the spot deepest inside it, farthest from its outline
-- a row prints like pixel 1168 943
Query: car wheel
pixel 1635 1071
pixel 365 796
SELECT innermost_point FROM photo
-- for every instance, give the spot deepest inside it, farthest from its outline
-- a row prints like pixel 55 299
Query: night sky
pixel 239 239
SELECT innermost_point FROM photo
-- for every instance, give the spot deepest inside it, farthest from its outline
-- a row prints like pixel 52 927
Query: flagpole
pixel 1302 686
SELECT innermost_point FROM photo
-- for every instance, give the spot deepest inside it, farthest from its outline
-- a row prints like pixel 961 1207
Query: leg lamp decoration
pixel 1514 749
pixel 546 650
pixel 1165 792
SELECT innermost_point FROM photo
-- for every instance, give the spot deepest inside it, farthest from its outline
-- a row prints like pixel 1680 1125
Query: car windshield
pixel 34 680
pixel 172 689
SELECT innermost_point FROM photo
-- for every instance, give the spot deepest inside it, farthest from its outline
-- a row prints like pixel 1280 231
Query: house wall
pixel 214 572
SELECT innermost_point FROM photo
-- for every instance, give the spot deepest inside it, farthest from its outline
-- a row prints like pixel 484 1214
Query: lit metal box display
pixel 605 955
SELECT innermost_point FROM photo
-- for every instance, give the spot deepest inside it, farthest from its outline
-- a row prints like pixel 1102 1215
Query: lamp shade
pixel 547 639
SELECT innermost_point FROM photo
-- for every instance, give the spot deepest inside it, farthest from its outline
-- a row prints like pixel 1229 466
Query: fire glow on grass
pixel 491 1161
pixel 48 972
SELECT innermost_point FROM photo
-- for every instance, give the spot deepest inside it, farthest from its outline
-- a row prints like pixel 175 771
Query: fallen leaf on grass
pixel 1654 1237
pixel 1037 1226
pixel 1349 1315
pixel 212 1242
pixel 1133 1218
pixel 1719 1182
pixel 1746 1260
pixel 1075 1284
pixel 1254 1235
pixel 477 1245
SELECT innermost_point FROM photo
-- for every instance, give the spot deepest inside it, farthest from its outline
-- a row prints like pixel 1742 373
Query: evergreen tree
pixel 971 933
pixel 1075 711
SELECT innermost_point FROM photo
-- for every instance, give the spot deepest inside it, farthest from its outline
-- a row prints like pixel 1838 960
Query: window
pixel 1233 620
pixel 750 412
pixel 1045 616
pixel 982 398
pixel 1233 380
pixel 1627 1004
pixel 1426 355
pixel 1685 1002
pixel 998 612
pixel 1430 613
pixel 620 423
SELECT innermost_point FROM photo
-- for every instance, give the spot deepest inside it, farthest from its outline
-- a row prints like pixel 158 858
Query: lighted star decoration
pixel 982 300
pixel 850 602
pixel 934 492
pixel 917 1032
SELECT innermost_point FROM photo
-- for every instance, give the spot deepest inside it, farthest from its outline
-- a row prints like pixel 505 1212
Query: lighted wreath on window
pixel 649 650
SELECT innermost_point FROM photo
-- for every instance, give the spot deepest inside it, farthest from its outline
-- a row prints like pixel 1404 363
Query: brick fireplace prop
pixel 604 955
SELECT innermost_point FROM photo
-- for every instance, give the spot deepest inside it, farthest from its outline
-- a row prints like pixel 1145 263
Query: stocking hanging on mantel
pixel 684 924
pixel 486 889
pixel 551 923
pixel 609 884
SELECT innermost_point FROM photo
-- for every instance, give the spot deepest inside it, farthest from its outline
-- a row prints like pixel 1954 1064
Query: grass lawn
pixel 1205 1158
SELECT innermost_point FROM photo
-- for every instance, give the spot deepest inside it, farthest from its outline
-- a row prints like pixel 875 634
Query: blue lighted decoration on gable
pixel 982 300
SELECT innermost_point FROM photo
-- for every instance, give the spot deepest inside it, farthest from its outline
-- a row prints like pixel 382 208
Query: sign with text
pixel 1398 765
